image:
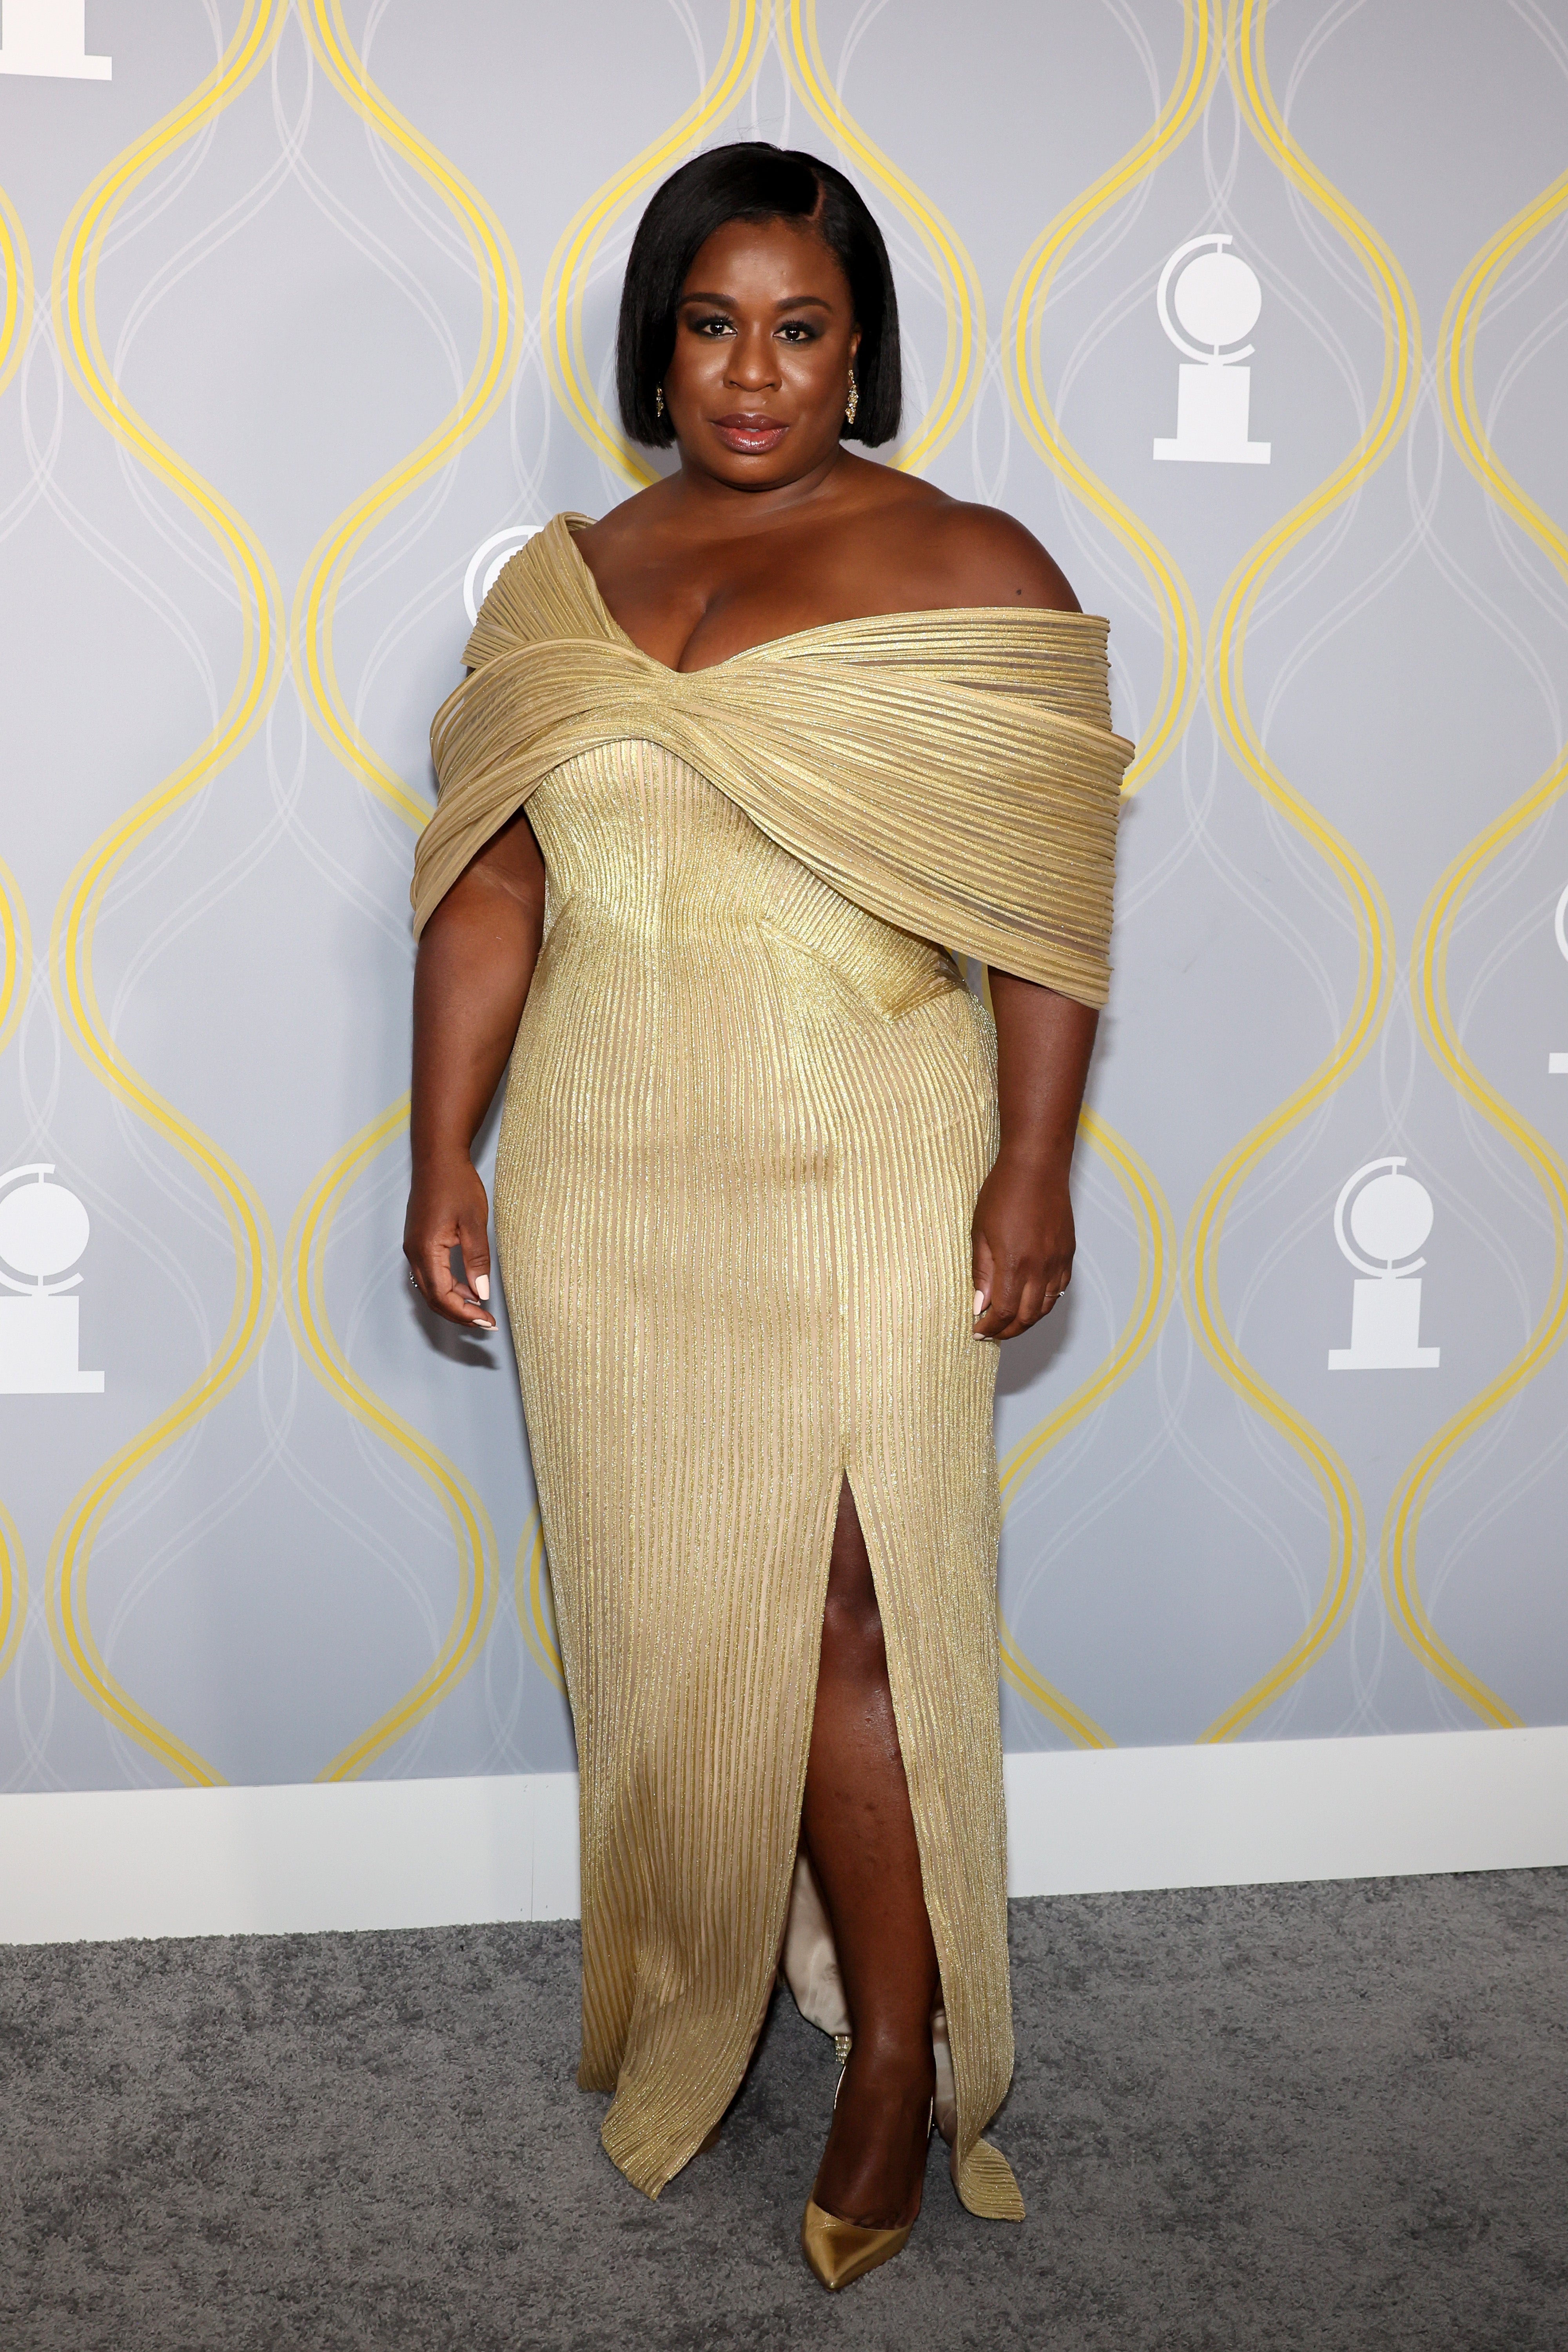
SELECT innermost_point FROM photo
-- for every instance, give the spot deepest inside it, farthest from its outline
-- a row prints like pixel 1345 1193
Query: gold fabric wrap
pixel 953 773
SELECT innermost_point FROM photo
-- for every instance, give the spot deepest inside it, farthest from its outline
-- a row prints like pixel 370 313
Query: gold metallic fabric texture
pixel 749 1109
pixel 952 771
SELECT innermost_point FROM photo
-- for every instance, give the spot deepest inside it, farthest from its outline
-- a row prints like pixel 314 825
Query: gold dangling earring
pixel 658 400
pixel 853 402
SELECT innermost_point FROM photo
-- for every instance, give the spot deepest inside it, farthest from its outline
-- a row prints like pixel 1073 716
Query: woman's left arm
pixel 1023 1227
pixel 1023 1219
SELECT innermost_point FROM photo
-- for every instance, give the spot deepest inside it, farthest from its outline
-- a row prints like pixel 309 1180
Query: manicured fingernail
pixel 482 1285
pixel 487 1322
pixel 980 1302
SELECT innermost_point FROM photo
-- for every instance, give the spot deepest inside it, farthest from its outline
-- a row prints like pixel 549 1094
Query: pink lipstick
pixel 749 435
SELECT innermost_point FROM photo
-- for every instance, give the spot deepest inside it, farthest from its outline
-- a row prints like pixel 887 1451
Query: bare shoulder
pixel 624 525
pixel 986 558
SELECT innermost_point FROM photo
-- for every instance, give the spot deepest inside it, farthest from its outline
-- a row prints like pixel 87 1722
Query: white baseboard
pixel 1266 1812
pixel 287 1860
pixel 425 1853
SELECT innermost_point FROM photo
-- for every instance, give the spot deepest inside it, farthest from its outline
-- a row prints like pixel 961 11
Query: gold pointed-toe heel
pixel 839 2251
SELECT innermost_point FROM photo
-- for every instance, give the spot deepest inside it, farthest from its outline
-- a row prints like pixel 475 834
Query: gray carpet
pixel 1328 2116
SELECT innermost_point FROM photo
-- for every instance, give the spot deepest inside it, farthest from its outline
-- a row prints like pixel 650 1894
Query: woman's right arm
pixel 471 977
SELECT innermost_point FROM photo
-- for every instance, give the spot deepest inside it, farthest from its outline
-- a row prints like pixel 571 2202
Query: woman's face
pixel 765 339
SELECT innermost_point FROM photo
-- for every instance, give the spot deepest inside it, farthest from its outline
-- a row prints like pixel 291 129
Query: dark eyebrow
pixel 790 302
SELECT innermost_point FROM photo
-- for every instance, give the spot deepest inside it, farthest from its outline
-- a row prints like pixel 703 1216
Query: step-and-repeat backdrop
pixel 1258 318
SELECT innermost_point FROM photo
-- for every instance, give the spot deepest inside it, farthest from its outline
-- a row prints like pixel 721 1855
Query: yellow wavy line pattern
pixel 1152 1297
pixel 572 263
pixel 15 940
pixel 1151 1302
pixel 472 1535
pixel 15 324
pixel 963 299
pixel 74 314
pixel 16 955
pixel 1022 336
pixel 535 1609
pixel 13 1589
pixel 499 349
pixel 1022 329
pixel 17 300
pixel 1428 978
pixel 1225 664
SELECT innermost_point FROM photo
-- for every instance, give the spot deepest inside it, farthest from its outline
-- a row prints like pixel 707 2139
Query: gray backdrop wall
pixel 1259 322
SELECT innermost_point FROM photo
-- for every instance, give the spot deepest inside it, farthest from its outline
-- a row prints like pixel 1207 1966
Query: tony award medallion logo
pixel 1390 1218
pixel 1217 298
pixel 485 563
pixel 43 1231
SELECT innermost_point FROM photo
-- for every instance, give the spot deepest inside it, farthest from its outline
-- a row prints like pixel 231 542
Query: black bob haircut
pixel 752 181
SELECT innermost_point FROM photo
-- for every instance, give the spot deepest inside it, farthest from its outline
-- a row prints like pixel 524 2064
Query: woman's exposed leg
pixel 860 1835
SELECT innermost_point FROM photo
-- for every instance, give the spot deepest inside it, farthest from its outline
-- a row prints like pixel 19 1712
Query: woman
pixel 734 774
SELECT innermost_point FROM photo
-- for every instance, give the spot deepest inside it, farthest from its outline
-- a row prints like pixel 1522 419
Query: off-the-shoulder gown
pixel 749 1106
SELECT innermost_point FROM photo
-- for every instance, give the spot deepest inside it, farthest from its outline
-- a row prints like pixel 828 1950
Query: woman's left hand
pixel 1024 1244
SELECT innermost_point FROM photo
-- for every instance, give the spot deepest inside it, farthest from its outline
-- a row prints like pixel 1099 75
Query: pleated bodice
pixel 642 850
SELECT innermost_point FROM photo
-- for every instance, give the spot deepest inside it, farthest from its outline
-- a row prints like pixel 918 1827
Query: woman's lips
pixel 749 435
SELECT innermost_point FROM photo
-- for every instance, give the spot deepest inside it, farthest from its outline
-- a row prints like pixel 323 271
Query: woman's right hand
pixel 447 1210
pixel 476 958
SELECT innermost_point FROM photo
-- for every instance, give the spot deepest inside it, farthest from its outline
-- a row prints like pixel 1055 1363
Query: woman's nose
pixel 753 361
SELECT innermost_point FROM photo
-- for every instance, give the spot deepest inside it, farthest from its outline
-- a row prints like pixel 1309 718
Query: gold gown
pixel 749 1106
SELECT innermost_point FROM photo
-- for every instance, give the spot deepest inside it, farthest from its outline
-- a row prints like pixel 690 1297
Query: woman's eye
pixel 711 327
pixel 795 331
